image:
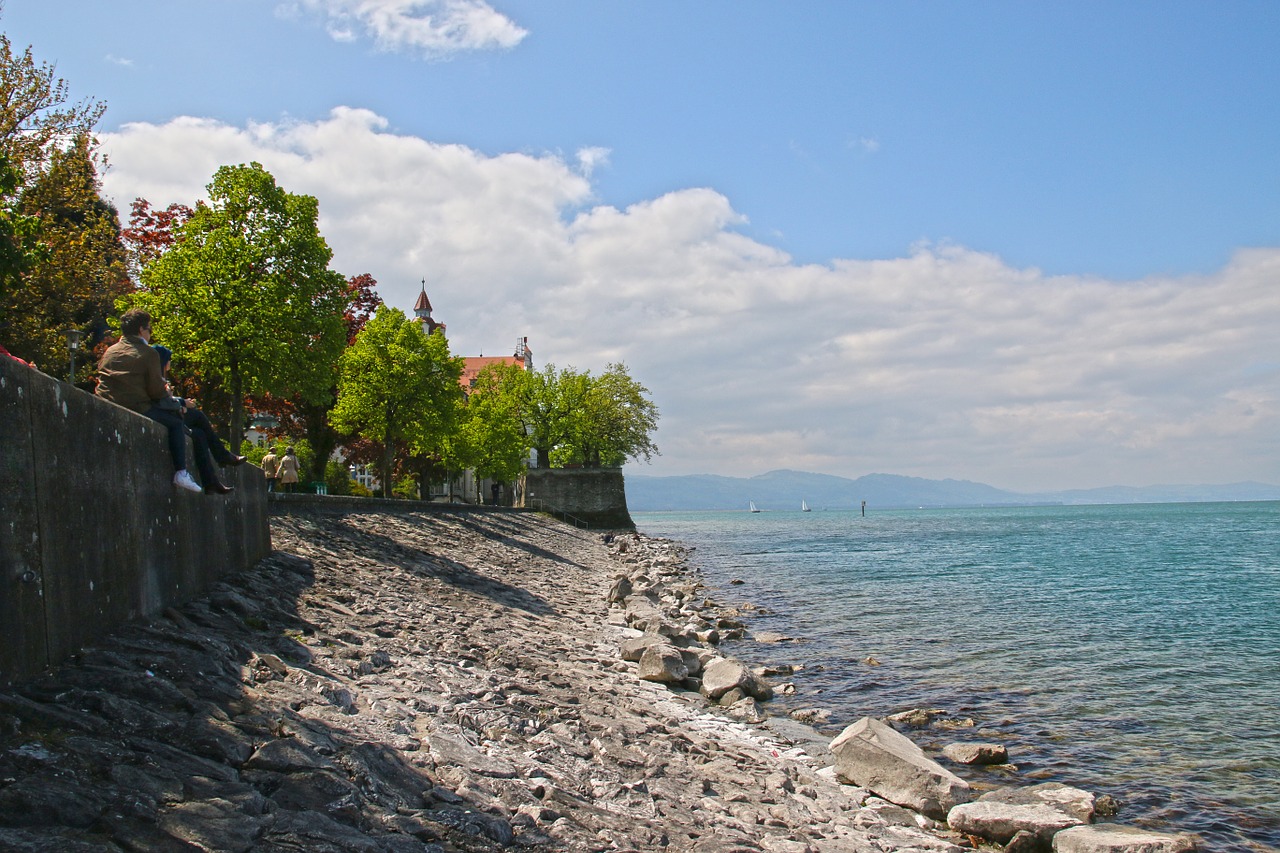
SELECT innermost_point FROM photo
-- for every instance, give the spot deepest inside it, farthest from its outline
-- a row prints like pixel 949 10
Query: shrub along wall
pixel 92 531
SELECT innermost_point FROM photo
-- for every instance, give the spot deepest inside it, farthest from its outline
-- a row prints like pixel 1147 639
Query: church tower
pixel 422 310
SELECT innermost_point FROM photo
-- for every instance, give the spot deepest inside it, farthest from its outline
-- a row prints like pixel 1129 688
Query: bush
pixel 406 487
pixel 337 478
pixel 253 452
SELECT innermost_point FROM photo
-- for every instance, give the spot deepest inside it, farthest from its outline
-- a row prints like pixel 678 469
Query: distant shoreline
pixel 782 490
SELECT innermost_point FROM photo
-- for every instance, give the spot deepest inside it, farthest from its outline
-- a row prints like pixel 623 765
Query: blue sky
pixel 1029 244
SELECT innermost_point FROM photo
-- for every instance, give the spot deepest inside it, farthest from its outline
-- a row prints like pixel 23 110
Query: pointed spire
pixel 422 308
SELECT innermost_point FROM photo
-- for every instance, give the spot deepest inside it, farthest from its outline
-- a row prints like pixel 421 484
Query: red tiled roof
pixel 472 366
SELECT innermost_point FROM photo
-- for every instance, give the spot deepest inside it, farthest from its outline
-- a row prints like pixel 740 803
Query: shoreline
pixel 409 681
pixel 766 646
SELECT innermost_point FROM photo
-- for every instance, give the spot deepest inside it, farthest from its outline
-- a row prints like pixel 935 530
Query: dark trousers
pixel 177 427
pixel 198 421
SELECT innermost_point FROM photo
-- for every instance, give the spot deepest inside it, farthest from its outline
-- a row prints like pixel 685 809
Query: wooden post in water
pixel 864 509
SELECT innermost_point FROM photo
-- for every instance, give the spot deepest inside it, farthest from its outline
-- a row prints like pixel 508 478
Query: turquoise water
pixel 1128 649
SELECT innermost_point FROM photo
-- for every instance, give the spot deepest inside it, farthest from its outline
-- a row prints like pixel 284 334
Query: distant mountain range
pixel 778 490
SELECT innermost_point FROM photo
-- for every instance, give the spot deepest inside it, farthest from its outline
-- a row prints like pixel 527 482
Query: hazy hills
pixel 779 490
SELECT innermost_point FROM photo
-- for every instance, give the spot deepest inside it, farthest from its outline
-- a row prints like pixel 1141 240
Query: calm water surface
pixel 1131 650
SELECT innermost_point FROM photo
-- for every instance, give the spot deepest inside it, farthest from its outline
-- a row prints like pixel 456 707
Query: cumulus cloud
pixel 590 159
pixel 946 362
pixel 431 28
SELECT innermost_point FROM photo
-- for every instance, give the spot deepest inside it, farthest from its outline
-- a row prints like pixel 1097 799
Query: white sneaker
pixel 183 481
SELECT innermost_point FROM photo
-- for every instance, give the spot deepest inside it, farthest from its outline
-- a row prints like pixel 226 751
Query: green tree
pixel 310 417
pixel 553 398
pixel 82 270
pixel 246 295
pixel 19 246
pixel 398 386
pixel 36 115
pixel 495 435
pixel 615 421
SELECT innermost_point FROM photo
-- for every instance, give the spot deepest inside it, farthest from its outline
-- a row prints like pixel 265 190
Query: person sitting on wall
pixel 4 352
pixel 196 420
pixel 129 375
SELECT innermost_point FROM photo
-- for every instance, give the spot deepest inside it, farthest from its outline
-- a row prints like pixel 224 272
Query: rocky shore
pixel 398 681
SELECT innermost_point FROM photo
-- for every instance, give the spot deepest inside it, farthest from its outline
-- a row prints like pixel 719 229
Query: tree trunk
pixel 388 462
pixel 388 449
pixel 236 437
pixel 321 438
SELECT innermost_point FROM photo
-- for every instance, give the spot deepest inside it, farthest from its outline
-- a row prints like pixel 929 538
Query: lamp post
pixel 73 344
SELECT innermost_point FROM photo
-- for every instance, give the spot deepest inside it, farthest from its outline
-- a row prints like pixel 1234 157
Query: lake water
pixel 1127 649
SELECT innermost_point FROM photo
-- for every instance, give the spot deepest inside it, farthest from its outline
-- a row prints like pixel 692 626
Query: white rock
pixel 871 754
pixel 722 675
pixel 1000 822
pixel 1114 838
pixel 664 664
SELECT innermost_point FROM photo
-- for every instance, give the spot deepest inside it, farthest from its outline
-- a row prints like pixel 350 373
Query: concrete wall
pixel 596 496
pixel 92 531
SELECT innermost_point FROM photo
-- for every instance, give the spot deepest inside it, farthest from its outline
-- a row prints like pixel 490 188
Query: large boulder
pixel 873 755
pixel 642 612
pixel 1114 838
pixel 622 587
pixel 1042 810
pixel 663 664
pixel 633 647
pixel 724 674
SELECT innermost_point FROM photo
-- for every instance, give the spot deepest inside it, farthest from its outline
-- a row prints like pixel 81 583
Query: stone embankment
pixel 429 682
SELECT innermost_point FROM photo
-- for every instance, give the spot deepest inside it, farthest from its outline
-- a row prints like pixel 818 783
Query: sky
pixel 1030 245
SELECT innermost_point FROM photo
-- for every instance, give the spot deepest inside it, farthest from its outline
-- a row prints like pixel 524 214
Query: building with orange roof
pixel 472 366
pixel 522 357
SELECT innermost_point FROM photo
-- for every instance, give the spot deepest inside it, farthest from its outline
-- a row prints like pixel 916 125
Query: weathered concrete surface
pixel 94 533
pixel 872 754
pixel 407 682
pixel 597 496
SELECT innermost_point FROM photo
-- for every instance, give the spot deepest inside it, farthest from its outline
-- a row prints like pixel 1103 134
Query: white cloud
pixel 866 144
pixel 118 60
pixel 944 363
pixel 432 28
pixel 590 159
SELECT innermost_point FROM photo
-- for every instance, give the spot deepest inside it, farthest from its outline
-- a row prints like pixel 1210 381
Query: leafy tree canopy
pixel 310 418
pixel 615 421
pixel 36 115
pixel 245 292
pixel 568 416
pixel 19 248
pixel 398 386
pixel 81 268
pixel 494 437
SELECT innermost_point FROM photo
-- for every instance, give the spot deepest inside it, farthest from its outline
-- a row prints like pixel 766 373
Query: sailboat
pixel 753 506
pixel 804 507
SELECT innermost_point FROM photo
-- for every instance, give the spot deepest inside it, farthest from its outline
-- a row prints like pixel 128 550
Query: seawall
pixel 595 496
pixel 92 531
